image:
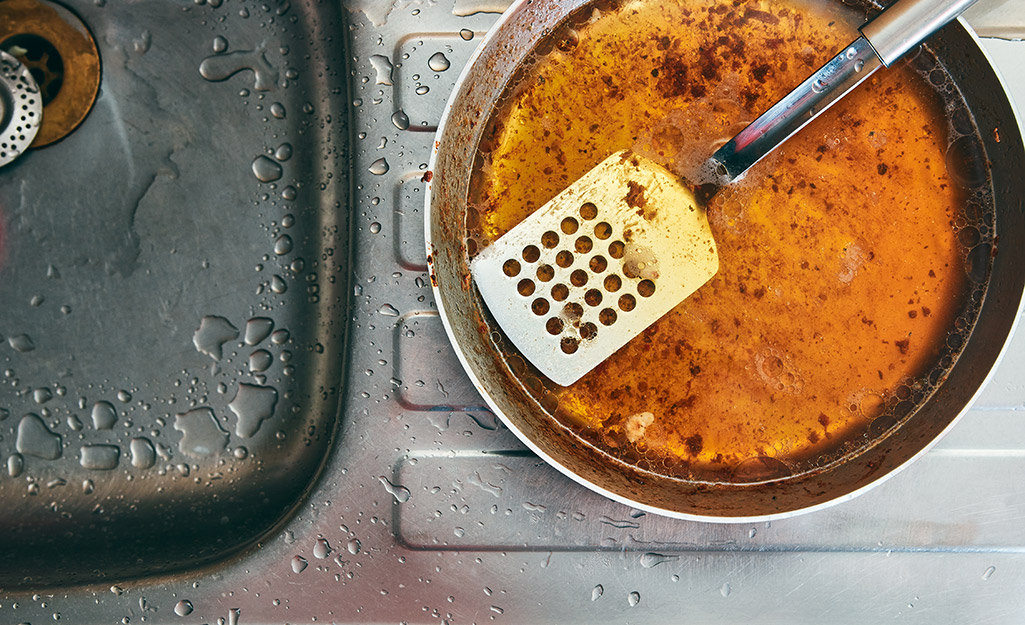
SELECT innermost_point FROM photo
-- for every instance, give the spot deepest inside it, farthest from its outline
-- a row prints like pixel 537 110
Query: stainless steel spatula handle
pixel 883 40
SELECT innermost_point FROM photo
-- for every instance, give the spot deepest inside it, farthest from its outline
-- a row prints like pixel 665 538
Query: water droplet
pixel 459 532
pixel 201 434
pixel 751 533
pixel 223 66
pixel 725 590
pixel 41 395
pixel 266 170
pixel 183 608
pixel 466 34
pixel 818 86
pixel 633 598
pixel 422 90
pixel 859 65
pixel 257 329
pixel 989 572
pixel 220 44
pixel 383 68
pixel 651 559
pixel 74 423
pixel 117 590
pixel 37 300
pixel 284 152
pixel 438 62
pixel 88 487
pixel 354 546
pixel 35 439
pixel 52 272
pixel 15 465
pixel 400 119
pixel 240 453
pixel 212 334
pixel 321 549
pixel 375 228
pixel 143 453
pixel 99 457
pixel 252 405
pixel 299 564
pixel 398 491
pixel 497 610
pixel 389 311
pixel 260 360
pixel 21 343
pixel 103 415
pixel 280 337
pixel 379 167
pixel 283 245
pixel 124 396
pixel 597 591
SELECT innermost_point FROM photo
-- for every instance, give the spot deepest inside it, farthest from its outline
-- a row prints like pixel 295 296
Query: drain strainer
pixel 22 108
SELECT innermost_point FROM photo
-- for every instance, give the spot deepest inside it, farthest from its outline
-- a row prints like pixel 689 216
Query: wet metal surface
pixel 427 510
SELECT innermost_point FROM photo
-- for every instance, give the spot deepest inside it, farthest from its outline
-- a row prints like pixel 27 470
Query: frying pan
pixel 521 403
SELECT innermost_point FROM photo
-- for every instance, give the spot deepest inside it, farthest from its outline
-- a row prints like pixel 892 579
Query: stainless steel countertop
pixel 430 511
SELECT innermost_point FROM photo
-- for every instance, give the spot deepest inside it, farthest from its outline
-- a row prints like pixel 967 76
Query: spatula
pixel 626 243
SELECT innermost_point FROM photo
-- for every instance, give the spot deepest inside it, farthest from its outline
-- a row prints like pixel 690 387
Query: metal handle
pixel 907 22
pixel 884 39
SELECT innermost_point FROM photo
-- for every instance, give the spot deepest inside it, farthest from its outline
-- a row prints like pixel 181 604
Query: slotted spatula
pixel 623 245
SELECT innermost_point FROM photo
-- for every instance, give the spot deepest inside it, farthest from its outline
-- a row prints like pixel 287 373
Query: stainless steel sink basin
pixel 174 277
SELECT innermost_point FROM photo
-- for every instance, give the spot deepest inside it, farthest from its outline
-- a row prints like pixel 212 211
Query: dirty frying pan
pixel 764 487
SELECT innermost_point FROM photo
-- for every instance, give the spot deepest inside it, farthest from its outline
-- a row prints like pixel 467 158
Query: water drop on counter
pixel 201 434
pixel 15 465
pixel 103 415
pixel 379 167
pixel 650 559
pixel 354 546
pixel 633 598
pixel 252 405
pixel 258 329
pixel 321 549
pixel 23 342
pixel 183 608
pixel 283 245
pixel 597 591
pixel 299 564
pixel 212 334
pixel 989 572
pixel 42 395
pixel 389 311
pixel 278 285
pixel 35 439
pixel 74 423
pixel 277 110
pixel 398 491
pixel 260 361
pixel 240 453
pixel 383 68
pixel 725 590
pixel 100 457
pixel 124 396
pixel 223 66
pixel 220 44
pixel 422 90
pixel 284 152
pixel 266 170
pixel 400 119
pixel 438 62
pixel 466 34
pixel 375 228
pixel 143 453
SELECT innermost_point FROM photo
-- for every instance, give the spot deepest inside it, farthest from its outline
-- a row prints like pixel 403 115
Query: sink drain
pixel 59 51
pixel 21 108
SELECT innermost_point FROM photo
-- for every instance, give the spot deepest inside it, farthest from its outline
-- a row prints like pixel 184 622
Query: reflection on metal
pixel 61 53
pixel 21 108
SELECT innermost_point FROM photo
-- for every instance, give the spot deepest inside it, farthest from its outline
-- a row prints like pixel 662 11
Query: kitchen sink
pixel 175 277
pixel 231 398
